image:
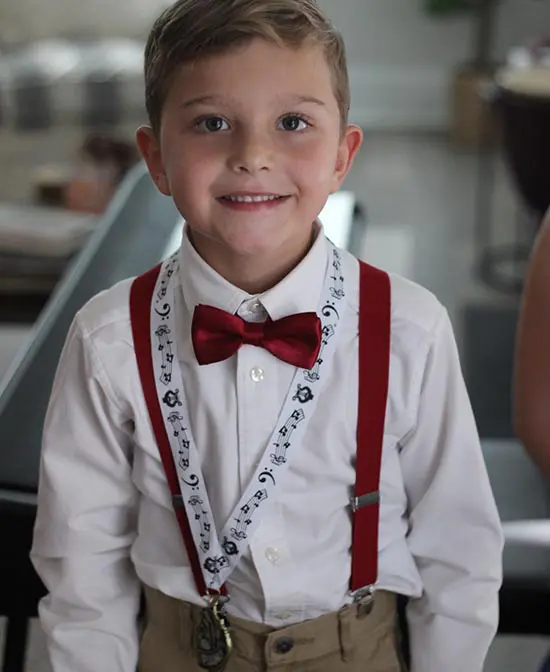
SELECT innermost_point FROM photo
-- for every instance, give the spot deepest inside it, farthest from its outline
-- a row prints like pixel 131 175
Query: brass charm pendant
pixel 212 637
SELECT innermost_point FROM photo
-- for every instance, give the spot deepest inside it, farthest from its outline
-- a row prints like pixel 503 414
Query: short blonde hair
pixel 194 29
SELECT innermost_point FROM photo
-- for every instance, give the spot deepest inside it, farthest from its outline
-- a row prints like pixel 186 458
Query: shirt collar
pixel 300 291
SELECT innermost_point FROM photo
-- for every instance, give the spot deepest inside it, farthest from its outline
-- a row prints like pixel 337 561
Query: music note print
pixel 165 280
pixel 282 444
pixel 215 565
pixel 313 374
pixel 245 515
pixel 163 334
pixel 196 503
pixel 180 434
pixel 337 290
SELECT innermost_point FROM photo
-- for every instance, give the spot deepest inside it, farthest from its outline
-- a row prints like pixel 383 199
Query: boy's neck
pixel 254 275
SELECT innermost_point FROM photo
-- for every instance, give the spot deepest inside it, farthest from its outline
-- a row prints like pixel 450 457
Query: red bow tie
pixel 217 335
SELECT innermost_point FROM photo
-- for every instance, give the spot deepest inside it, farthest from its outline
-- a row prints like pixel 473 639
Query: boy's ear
pixel 349 146
pixel 149 148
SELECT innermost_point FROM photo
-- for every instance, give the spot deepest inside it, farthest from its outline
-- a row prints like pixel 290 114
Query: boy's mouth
pixel 252 202
pixel 253 198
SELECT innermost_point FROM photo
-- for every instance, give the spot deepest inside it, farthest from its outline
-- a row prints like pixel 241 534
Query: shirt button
pixel 256 307
pixel 257 374
pixel 273 555
pixel 284 645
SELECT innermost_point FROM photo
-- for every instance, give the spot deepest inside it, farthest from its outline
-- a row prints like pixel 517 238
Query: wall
pixel 38 19
pixel 400 59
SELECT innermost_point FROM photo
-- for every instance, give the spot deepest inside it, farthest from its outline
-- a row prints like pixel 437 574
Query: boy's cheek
pixel 313 156
pixel 183 170
pixel 314 174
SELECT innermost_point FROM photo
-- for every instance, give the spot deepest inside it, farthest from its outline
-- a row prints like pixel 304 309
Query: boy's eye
pixel 212 124
pixel 293 122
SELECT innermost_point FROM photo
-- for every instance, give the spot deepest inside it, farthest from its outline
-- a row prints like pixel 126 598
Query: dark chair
pixel 132 237
pixel 546 665
pixel 521 493
pixel 525 124
pixel 525 129
pixel 20 587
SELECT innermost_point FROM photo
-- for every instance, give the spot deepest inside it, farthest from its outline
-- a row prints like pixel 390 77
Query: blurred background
pixel 449 190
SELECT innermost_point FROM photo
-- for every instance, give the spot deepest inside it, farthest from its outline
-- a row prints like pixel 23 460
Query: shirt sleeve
pixel 86 520
pixel 455 534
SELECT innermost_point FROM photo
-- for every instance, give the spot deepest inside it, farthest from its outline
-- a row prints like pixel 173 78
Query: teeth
pixel 252 199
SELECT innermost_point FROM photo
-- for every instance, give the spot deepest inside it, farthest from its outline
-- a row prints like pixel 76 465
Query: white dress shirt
pixel 105 520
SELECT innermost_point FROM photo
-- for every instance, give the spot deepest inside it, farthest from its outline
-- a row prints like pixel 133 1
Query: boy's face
pixel 250 147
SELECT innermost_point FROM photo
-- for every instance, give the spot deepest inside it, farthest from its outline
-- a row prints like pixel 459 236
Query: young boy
pixel 209 421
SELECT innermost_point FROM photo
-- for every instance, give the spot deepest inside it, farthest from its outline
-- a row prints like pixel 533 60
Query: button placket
pixel 255 402
pixel 273 561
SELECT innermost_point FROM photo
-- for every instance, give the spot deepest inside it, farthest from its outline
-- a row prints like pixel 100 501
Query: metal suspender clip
pixel 364 599
pixel 365 500
pixel 177 502
pixel 362 594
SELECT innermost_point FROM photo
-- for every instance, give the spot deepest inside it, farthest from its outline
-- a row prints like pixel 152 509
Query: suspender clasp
pixel 364 599
pixel 365 593
pixel 177 502
pixel 365 500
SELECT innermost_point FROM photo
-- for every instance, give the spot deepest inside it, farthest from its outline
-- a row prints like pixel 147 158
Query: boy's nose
pixel 251 155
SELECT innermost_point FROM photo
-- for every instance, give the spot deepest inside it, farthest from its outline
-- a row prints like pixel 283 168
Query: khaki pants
pixel 346 641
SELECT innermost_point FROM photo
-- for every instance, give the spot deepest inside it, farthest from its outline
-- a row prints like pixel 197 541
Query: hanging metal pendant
pixel 212 637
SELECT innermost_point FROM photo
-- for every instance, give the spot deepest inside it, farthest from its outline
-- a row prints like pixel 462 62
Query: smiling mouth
pixel 250 198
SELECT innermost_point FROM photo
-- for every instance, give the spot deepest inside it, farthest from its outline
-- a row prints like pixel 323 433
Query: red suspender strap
pixel 141 295
pixel 374 364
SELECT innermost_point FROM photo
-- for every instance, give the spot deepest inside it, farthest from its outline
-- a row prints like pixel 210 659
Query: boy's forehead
pixel 307 50
pixel 280 71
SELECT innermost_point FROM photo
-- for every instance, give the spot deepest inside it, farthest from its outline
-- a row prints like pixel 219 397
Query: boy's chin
pixel 250 245
pixel 250 248
pixel 251 236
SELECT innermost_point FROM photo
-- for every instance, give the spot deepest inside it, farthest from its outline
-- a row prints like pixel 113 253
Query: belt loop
pixel 345 634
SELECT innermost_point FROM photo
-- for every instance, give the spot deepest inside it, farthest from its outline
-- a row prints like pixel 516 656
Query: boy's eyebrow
pixel 308 99
pixel 213 100
pixel 201 100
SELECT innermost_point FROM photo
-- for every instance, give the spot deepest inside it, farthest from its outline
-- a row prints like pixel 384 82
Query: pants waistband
pixel 336 632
